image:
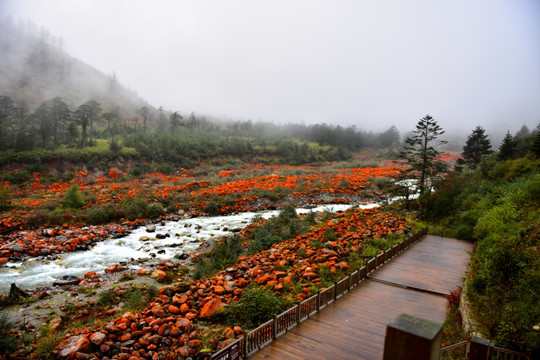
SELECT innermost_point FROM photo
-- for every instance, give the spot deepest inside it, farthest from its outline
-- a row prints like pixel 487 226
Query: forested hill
pixel 35 68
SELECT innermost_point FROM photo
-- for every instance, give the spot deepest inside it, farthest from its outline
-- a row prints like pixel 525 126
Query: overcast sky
pixel 372 64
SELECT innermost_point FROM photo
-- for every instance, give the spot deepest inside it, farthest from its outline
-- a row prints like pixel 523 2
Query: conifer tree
pixel 477 145
pixel 421 155
pixel 507 147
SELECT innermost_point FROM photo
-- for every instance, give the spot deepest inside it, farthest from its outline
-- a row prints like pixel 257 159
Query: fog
pixel 372 64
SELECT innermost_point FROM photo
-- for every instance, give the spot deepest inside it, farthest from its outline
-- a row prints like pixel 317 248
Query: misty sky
pixel 369 63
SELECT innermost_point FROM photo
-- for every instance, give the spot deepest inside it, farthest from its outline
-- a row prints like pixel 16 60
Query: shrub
pixel 73 199
pixel 17 177
pixel 212 208
pixel 134 208
pixel 255 307
pixel 223 255
pixel 155 210
pixel 5 197
pixel 97 215
pixel 8 342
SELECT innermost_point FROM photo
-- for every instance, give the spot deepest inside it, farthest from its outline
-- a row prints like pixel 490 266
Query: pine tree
pixel 536 145
pixel 477 145
pixel 507 147
pixel 421 156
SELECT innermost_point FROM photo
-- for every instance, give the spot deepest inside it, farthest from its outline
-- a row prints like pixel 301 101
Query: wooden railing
pixel 462 351
pixel 254 340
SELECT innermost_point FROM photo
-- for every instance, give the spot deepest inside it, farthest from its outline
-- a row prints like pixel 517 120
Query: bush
pixel 8 342
pixel 97 215
pixel 155 210
pixel 17 177
pixel 73 199
pixel 212 208
pixel 223 255
pixel 134 208
pixel 255 307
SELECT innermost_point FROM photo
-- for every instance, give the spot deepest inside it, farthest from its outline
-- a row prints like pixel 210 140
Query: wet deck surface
pixel 354 326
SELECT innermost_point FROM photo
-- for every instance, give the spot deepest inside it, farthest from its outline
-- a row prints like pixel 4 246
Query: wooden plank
pixel 354 326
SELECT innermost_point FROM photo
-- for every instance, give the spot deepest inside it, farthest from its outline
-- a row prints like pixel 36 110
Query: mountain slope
pixel 34 68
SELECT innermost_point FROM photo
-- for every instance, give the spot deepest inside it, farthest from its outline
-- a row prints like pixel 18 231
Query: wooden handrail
pixel 270 330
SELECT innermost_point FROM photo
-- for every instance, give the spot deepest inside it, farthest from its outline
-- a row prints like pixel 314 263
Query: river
pixel 181 236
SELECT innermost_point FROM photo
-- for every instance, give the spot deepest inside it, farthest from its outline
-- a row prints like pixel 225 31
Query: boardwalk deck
pixel 355 325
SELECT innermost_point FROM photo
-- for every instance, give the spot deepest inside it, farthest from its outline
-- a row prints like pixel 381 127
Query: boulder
pixel 73 345
pixel 211 308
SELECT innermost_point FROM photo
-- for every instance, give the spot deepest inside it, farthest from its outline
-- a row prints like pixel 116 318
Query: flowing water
pixel 184 236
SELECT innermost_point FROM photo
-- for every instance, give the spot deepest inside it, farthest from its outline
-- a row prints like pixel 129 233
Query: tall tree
pixel 7 109
pixel 42 119
pixel 536 144
pixel 507 147
pixel 420 155
pixel 175 121
pixel 60 116
pixel 523 132
pixel 145 113
pixel 110 117
pixel 85 116
pixel 477 145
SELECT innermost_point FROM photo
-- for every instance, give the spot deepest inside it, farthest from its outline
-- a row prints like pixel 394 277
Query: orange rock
pixel 3 260
pixel 97 338
pixel 184 308
pixel 212 307
pixel 219 290
pixel 174 310
pixel 73 345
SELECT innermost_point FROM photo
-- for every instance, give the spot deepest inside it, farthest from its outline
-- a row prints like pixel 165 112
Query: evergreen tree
pixel 421 155
pixel 477 145
pixel 507 147
pixel 536 144
pixel 85 116
pixel 175 121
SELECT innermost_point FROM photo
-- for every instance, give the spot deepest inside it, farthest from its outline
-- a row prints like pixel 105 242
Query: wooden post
pixel 335 290
pixel 318 300
pixel 350 282
pixel 412 338
pixel 480 349
pixel 298 312
pixel 274 328
pixel 246 333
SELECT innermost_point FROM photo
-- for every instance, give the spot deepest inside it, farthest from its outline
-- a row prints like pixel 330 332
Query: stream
pixel 181 237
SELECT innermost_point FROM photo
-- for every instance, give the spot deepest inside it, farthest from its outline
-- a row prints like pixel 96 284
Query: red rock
pixel 238 330
pixel 97 338
pixel 158 311
pixel 3 260
pixel 164 329
pixel 190 316
pixel 73 345
pixel 212 307
pixel 91 275
pixel 229 286
pixel 184 308
pixel 174 310
pixel 219 290
pixel 278 287
pixel 159 274
pixel 179 300
pixel 195 344
pixel 229 333
pixel 183 324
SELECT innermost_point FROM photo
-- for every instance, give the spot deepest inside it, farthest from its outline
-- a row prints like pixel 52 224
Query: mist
pixel 368 64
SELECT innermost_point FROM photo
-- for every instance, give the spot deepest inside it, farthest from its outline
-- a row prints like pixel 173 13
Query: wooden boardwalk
pixel 354 327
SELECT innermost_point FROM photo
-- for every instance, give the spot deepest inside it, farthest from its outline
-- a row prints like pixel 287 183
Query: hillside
pixel 35 68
